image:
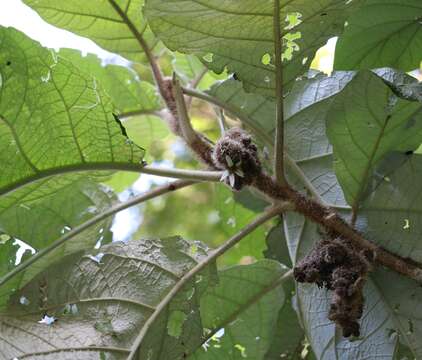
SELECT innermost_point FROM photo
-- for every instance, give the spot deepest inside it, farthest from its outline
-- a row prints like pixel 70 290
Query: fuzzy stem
pixel 335 225
pixel 279 133
pixel 267 215
pixel 94 220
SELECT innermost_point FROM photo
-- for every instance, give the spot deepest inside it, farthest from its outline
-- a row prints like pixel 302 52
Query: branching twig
pixel 94 220
pixel 279 133
pixel 200 266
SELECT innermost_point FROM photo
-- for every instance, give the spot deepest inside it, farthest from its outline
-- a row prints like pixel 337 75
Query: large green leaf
pixel 301 234
pixel 242 308
pixel 382 33
pixel 239 34
pixel 365 122
pixel 115 25
pixel 53 117
pixel 128 93
pixel 391 212
pixel 403 299
pixel 101 304
pixel 307 107
pixel 43 212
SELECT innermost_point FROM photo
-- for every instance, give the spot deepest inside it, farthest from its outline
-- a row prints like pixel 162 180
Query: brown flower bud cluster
pixel 237 156
pixel 337 266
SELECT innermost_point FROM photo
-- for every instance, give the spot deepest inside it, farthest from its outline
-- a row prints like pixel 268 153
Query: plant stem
pixel 335 225
pixel 188 133
pixel 94 220
pixel 197 143
pixel 267 215
pixel 158 76
pixel 198 175
pixel 279 133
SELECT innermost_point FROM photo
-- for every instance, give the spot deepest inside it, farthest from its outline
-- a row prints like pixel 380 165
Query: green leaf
pixel 234 217
pixel 243 304
pixel 128 93
pixel 101 304
pixel 43 212
pixel 289 340
pixel 146 129
pixel 382 33
pixel 365 122
pixel 392 210
pixel 238 35
pixel 277 245
pixel 114 25
pixel 53 117
pixel 403 297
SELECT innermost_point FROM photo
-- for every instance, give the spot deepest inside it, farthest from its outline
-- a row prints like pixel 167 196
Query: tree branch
pixel 336 226
pixel 279 133
pixel 94 220
pixel 267 215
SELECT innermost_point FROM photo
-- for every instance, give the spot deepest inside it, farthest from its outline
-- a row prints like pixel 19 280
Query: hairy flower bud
pixel 236 154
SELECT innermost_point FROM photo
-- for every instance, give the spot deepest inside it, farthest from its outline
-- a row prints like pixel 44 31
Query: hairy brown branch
pixel 335 225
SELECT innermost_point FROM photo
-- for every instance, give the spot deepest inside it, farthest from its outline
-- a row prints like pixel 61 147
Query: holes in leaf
pixel 289 41
pixel 8 63
pixel 304 60
pixel 293 19
pixel 208 57
pixel 266 59
pixel 47 320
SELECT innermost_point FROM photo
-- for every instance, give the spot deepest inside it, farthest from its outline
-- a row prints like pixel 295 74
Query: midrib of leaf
pixel 82 167
pixel 355 206
pixel 130 25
